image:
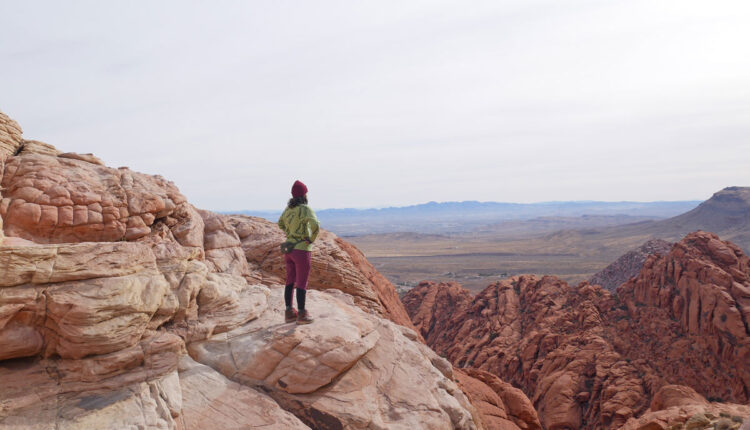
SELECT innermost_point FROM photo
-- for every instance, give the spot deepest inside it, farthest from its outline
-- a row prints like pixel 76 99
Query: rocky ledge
pixel 123 306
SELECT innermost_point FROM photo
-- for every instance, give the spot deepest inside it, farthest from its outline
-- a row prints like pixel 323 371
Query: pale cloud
pixel 390 103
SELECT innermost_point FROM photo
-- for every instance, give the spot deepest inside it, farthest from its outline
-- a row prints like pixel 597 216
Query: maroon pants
pixel 298 268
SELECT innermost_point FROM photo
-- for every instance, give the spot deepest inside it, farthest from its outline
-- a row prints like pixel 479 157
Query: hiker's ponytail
pixel 296 201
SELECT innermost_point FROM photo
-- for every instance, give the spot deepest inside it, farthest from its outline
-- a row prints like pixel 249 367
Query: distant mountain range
pixel 460 217
pixel 726 213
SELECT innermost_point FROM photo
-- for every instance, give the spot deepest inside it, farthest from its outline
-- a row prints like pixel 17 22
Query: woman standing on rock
pixel 301 227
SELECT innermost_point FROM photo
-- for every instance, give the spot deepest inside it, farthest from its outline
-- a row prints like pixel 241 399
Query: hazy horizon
pixel 377 104
pixel 281 208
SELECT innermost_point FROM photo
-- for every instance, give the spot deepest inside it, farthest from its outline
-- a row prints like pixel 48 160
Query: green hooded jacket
pixel 300 223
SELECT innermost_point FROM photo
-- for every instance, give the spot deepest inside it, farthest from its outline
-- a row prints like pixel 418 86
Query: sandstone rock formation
pixel 51 199
pixel 10 137
pixel 123 306
pixel 589 359
pixel 629 264
pixel 500 405
pixel 543 336
pixel 367 365
pixel 694 305
pixel 680 407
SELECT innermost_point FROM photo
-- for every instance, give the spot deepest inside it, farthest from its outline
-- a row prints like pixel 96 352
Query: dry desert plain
pixel 476 260
pixel 571 248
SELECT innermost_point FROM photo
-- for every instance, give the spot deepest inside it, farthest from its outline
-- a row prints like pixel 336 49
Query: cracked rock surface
pixel 123 306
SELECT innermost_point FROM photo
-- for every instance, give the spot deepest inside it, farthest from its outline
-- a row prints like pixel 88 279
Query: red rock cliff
pixel 588 359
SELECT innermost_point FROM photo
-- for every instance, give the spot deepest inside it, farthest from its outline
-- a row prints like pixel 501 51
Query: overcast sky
pixel 378 103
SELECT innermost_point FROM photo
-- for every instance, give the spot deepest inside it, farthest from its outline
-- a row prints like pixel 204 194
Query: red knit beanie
pixel 299 189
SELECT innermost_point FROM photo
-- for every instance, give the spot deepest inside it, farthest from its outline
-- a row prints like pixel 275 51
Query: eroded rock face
pixel 109 277
pixel 695 304
pixel 431 303
pixel 10 137
pixel 544 336
pixel 222 245
pixel 588 359
pixel 49 199
pixel 500 405
pixel 130 387
pixel 76 300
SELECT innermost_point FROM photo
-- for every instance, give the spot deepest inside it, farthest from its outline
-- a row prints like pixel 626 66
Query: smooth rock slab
pixel 295 359
pixel 348 369
pixel 210 400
